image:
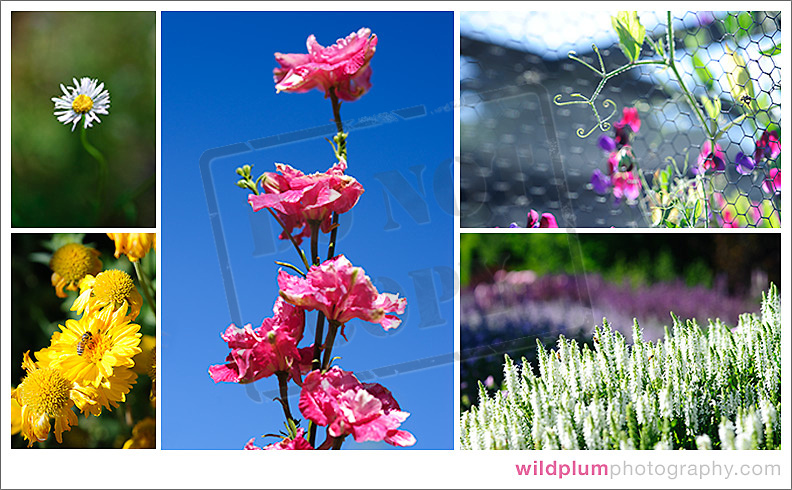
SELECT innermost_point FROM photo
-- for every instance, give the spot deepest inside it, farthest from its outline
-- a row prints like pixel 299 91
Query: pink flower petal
pixel 367 411
pixel 343 66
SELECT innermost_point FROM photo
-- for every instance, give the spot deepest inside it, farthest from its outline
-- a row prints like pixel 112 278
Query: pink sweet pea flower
pixel 547 220
pixel 772 184
pixel 342 292
pixel 299 198
pixel 727 218
pixel 629 118
pixel 710 160
pixel 344 66
pixel 367 411
pixel 298 443
pixel 626 184
pixel 263 351
pixel 768 146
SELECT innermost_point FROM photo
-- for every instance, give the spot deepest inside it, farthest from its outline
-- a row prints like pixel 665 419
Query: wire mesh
pixel 521 151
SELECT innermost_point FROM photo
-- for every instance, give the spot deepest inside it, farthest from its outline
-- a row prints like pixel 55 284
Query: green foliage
pixel 718 388
pixel 772 51
pixel 739 24
pixel 631 33
pixel 53 178
pixel 741 86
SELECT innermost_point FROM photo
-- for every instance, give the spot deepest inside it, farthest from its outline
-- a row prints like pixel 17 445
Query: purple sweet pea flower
pixel 744 164
pixel 600 182
pixel 607 143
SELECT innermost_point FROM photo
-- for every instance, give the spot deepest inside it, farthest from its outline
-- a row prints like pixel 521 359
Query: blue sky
pixel 217 91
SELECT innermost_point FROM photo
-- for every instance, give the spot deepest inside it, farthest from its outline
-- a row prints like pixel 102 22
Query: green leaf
pixel 741 86
pixel 702 71
pixel 772 51
pixel 739 25
pixel 631 33
pixel 713 107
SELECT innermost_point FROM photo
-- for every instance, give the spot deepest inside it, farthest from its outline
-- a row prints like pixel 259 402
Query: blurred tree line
pixel 641 258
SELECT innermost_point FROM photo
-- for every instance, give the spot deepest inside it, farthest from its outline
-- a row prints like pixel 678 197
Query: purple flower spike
pixel 745 164
pixel 607 143
pixel 600 182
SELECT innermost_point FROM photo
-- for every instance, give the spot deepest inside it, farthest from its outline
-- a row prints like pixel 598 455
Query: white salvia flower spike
pixel 83 101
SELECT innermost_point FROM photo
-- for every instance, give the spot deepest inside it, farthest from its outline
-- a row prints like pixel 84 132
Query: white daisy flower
pixel 85 98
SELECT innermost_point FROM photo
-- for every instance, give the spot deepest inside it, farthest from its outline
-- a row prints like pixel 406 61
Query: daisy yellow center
pixel 72 261
pixel 113 286
pixel 82 103
pixel 44 391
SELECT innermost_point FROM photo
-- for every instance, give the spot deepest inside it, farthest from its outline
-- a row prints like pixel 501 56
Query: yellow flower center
pixel 113 286
pixel 44 391
pixel 72 261
pixel 94 349
pixel 82 104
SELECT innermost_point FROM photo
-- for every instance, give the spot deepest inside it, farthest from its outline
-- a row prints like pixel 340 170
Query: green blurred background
pixel 639 258
pixel 53 178
pixel 36 314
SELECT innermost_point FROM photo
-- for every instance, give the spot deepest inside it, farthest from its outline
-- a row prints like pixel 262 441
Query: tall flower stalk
pixel 305 206
pixel 84 102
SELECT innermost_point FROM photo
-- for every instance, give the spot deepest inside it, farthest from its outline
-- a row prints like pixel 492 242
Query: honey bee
pixel 86 337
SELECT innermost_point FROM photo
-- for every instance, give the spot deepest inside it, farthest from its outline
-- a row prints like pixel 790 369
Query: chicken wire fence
pixel 523 147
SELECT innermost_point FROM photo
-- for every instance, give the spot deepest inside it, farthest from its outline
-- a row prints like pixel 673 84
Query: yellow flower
pixel 46 393
pixel 91 349
pixel 134 245
pixel 16 414
pixel 145 359
pixel 144 435
pixel 70 264
pixel 109 393
pixel 106 293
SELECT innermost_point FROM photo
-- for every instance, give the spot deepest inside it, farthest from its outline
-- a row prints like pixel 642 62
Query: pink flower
pixel 547 220
pixel 772 184
pixel 728 217
pixel 626 184
pixel 768 146
pixel 344 66
pixel 754 214
pixel 708 159
pixel 298 443
pixel 629 118
pixel 367 411
pixel 263 351
pixel 299 198
pixel 613 162
pixel 342 292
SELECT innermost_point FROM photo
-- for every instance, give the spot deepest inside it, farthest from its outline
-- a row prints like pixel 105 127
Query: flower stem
pixel 283 383
pixel 329 341
pixel 291 238
pixel 145 286
pixel 333 235
pixel 314 241
pixel 672 64
pixel 338 441
pixel 102 174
